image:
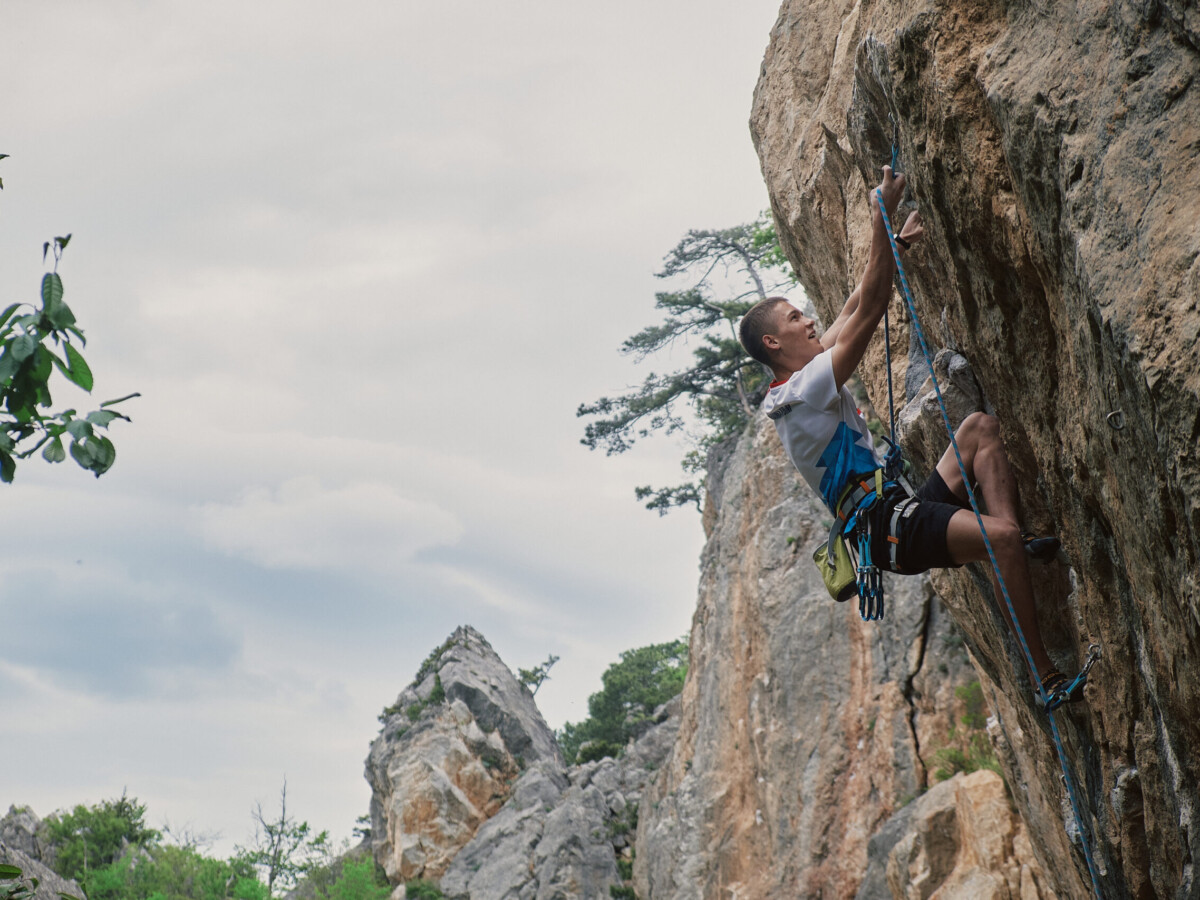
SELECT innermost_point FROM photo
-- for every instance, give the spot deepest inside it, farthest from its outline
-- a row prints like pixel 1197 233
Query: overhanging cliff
pixel 1051 148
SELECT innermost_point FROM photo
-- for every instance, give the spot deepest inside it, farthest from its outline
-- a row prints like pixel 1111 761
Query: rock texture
pixel 469 788
pixel 1051 148
pixel 963 841
pixel 803 729
pixel 23 844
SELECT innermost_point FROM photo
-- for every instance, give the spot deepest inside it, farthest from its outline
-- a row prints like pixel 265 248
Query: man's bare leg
pixel 986 462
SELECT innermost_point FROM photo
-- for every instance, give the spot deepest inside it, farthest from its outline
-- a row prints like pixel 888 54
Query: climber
pixel 829 443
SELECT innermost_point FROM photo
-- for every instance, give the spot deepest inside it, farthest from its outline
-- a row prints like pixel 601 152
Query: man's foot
pixel 1058 689
pixel 1042 549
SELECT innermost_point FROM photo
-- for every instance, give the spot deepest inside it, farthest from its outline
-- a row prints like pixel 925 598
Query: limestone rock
pixel 494 815
pixel 1051 149
pixel 448 753
pixel 963 841
pixel 23 844
pixel 803 728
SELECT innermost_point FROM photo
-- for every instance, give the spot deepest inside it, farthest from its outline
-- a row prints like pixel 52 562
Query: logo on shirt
pixel 844 456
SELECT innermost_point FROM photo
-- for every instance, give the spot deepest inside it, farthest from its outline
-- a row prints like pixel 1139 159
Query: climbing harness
pixel 1045 700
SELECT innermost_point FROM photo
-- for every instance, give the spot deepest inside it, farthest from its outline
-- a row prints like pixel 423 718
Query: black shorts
pixel 922 534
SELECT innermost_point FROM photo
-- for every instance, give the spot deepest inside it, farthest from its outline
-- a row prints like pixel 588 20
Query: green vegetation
pixel 29 338
pixel 969 750
pixel 722 386
pixel 421 889
pixel 622 892
pixel 535 677
pixel 87 839
pixel 359 879
pixel 284 851
pixel 633 688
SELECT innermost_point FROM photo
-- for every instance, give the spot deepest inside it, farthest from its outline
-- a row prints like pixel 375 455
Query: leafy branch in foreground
pixel 722 385
pixel 27 360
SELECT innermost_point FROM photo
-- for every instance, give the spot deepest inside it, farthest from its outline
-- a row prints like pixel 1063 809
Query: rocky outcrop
pixel 446 758
pixel 469 788
pixel 1051 149
pixel 23 844
pixel 960 841
pixel 803 729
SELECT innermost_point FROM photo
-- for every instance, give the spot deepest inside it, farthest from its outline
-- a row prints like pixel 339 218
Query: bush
pixel 359 880
pixel 421 889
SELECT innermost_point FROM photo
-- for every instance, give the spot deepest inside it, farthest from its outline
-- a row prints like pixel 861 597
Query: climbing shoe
pixel 1041 549
pixel 1058 689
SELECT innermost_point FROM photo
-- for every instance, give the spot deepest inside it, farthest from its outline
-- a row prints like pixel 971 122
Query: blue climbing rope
pixel 1085 838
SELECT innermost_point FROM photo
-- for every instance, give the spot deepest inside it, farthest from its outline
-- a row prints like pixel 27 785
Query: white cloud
pixel 303 525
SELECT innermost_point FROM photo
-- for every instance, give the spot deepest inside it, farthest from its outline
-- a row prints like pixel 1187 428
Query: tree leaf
pixel 83 452
pixel 8 467
pixel 7 314
pixel 62 242
pixel 79 371
pixel 22 347
pixel 102 417
pixel 52 289
pixel 54 452
pixel 119 399
pixel 79 429
pixel 7 871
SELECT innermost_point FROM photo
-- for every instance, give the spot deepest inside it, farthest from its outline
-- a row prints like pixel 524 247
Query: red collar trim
pixel 776 384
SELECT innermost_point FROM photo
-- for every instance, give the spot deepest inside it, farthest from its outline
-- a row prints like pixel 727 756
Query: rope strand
pixel 1085 839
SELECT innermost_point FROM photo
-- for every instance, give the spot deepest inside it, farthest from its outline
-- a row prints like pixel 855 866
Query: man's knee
pixel 1004 535
pixel 979 430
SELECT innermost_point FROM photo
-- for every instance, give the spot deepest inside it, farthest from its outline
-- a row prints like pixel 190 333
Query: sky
pixel 363 261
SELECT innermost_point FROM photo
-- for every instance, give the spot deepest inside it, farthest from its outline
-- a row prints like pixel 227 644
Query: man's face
pixel 796 334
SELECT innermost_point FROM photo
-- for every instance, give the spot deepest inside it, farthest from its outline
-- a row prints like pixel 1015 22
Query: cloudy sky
pixel 363 260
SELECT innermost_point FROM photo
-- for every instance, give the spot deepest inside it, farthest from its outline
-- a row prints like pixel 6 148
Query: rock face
pixel 1051 148
pixel 23 844
pixel 450 749
pixel 962 841
pixel 803 728
pixel 469 788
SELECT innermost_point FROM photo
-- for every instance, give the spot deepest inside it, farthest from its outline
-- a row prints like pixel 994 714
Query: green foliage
pixel 969 750
pixel 29 336
pixel 438 694
pixel 90 838
pixel 622 892
pixel 591 751
pixel 422 889
pixel 284 850
pixel 433 661
pixel 722 386
pixel 359 879
pixel 625 869
pixel 174 873
pixel 534 678
pixel 633 688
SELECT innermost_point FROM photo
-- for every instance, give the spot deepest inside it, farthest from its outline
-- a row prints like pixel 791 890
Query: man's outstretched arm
pixel 875 290
pixel 912 232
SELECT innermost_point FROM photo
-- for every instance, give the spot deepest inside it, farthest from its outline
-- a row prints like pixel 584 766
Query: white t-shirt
pixel 822 431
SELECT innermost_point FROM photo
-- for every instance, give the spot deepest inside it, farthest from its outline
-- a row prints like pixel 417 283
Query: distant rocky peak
pixel 467 669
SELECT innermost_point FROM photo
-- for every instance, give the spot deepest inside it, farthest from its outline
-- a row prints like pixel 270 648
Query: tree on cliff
pixel 729 270
pixel 643 680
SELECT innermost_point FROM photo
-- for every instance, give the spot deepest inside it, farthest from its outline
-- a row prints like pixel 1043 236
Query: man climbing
pixel 829 443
